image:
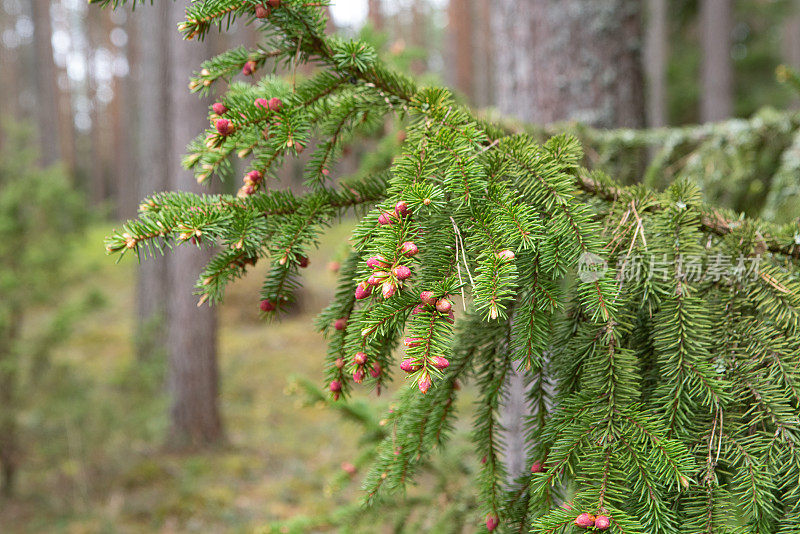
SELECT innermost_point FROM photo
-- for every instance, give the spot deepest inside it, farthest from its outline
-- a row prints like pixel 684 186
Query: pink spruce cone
pixel 585 520
pixel 360 358
pixel 409 366
pixel 339 363
pixel 335 386
pixel 444 305
pixel 249 68
pixel 602 522
pixel 425 383
pixel 219 108
pixel 275 103
pixel 376 370
pixel 401 272
pixel 253 177
pixel 409 249
pixel 401 208
pixel 340 323
pixel 262 103
pixel 262 12
pixel 358 375
pixel 412 341
pixel 376 262
pixel 492 522
pixel 388 289
pixel 363 290
pixel 506 255
pixel 384 219
pixel 427 297
pixel 537 467
pixel 440 362
pixel 224 126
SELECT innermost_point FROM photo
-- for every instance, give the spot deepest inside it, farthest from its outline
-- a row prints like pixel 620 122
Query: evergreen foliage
pixel 664 387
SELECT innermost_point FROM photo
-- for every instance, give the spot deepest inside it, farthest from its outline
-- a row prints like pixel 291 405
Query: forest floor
pixel 93 428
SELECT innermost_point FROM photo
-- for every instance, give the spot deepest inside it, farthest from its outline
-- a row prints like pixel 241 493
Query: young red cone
pixel 492 521
pixel 506 255
pixel 602 522
pixel 409 249
pixel 409 366
pixel 219 108
pixel 266 305
pixel 224 127
pixel 425 383
pixel 401 272
pixel 360 358
pixel 585 520
pixel 401 208
pixel 440 362
pixel 376 370
pixel 249 68
pixel 363 290
pixel 384 219
pixel 275 103
pixel 262 12
pixel 340 323
pixel 537 467
pixel 427 297
pixel 302 261
pixel 388 289
pixel 358 375
pixel 377 262
pixel 339 363
pixel 262 103
pixel 412 341
pixel 335 386
pixel 443 305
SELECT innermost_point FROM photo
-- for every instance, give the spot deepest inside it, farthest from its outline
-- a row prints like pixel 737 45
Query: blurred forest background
pixel 124 407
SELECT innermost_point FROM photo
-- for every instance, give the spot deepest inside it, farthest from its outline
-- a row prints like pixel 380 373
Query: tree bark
pixel 716 25
pixel 46 83
pixel 191 339
pixel 462 52
pixel 558 61
pixel 375 14
pixel 151 79
pixel 656 52
pixel 791 42
pixel 563 60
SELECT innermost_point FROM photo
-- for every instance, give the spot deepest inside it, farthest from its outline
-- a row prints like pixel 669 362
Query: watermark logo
pixel 591 267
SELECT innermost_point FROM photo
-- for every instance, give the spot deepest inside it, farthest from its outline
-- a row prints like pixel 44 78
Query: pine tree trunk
pixel 191 339
pixel 151 79
pixel 46 83
pixel 656 50
pixel 563 60
pixel 484 54
pixel 716 25
pixel 791 42
pixel 375 14
pixel 558 61
pixel 462 52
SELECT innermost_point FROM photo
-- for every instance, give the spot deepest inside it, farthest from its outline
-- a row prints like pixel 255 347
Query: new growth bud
pixel 266 305
pixel 585 520
pixel 409 249
pixel 249 68
pixel 602 522
pixel 363 290
pixel 219 108
pixel 224 127
pixel 401 272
